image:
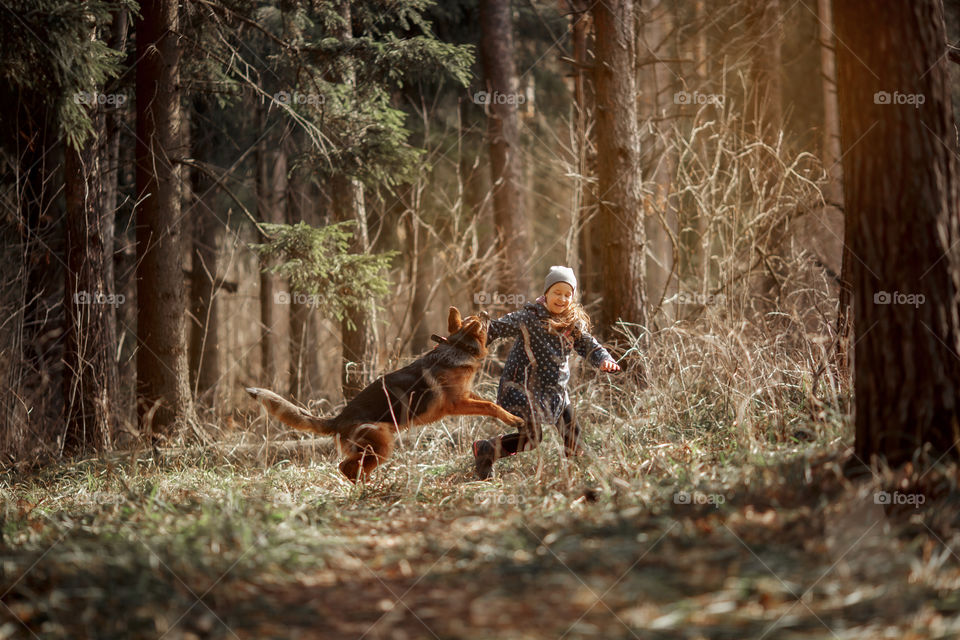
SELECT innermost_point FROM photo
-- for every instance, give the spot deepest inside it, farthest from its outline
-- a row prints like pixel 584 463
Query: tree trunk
pixel 124 406
pixel 418 261
pixel 588 238
pixel 162 371
pixel 832 214
pixel 767 95
pixel 267 211
pixel 303 333
pixel 618 149
pixel 358 328
pixel 831 116
pixel 90 375
pixel 699 220
pixel 506 171
pixel 766 29
pixel 659 162
pixel 902 203
pixel 207 234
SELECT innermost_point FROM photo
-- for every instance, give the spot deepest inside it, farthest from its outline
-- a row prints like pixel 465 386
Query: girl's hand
pixel 609 365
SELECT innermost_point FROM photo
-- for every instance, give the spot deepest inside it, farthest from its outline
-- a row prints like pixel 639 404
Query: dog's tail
pixel 292 415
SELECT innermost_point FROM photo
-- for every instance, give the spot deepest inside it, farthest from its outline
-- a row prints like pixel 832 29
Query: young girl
pixel 534 380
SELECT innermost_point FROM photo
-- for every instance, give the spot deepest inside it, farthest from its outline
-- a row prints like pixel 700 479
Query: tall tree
pixel 162 372
pixel 358 327
pixel 506 170
pixel 271 173
pixel 831 117
pixel 206 237
pixel 301 207
pixel 618 175
pixel 766 28
pixel 659 158
pixel 52 64
pixel 588 239
pixel 832 215
pixel 90 380
pixel 902 207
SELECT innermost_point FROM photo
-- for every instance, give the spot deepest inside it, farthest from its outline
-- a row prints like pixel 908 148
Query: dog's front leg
pixel 474 405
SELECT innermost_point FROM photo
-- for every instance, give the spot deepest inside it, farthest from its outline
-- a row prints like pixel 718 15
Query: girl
pixel 533 385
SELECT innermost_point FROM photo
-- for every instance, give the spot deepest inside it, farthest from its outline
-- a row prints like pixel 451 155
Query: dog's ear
pixel 454 322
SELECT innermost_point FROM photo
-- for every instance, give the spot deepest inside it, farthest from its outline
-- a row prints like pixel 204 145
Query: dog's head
pixel 469 334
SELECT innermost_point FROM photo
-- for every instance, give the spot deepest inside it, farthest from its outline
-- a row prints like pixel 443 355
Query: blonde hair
pixel 574 319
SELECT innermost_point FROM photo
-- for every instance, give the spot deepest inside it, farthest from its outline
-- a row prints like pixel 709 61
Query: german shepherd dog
pixel 436 385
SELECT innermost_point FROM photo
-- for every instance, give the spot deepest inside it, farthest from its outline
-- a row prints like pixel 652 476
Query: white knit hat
pixel 560 274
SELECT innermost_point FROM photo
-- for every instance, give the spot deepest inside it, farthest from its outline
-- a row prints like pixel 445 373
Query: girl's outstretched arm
pixel 506 327
pixel 591 350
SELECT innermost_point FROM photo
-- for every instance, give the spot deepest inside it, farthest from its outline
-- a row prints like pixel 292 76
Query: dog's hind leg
pixel 370 446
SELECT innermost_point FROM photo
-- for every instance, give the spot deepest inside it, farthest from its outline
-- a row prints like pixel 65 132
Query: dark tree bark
pixel 506 170
pixel 125 405
pixel 125 274
pixel 900 185
pixel 207 233
pixel 111 146
pixel 618 150
pixel 162 372
pixel 90 376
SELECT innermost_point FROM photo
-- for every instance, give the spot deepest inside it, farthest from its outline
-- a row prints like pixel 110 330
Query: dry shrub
pixel 744 359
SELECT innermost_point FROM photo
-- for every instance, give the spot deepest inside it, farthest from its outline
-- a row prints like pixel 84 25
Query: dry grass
pixel 713 504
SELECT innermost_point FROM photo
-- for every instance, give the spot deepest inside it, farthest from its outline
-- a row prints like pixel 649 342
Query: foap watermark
pixel 897 497
pixel 485 97
pixel 704 299
pixel 504 299
pixel 885 97
pixel 102 99
pixel 885 297
pixel 499 499
pixel 685 97
pixel 685 497
pixel 112 299
pixel 285 97
pixel 286 297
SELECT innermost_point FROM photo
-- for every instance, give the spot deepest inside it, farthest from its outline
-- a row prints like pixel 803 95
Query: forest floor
pixel 699 536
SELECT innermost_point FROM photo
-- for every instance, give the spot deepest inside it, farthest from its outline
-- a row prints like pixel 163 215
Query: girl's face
pixel 559 297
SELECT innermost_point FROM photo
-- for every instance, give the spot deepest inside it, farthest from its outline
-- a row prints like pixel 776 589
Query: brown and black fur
pixel 436 385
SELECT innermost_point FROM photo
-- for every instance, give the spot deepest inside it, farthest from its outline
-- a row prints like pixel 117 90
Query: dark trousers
pixel 530 434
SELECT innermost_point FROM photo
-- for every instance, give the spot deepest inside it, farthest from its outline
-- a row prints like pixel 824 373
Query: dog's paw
pixel 255 392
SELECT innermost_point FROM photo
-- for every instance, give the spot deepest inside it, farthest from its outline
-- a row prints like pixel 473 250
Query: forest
pixel 480 319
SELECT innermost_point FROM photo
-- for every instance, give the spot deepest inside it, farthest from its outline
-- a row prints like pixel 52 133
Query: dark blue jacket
pixel 535 376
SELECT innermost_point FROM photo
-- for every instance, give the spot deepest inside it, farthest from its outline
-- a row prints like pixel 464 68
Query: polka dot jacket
pixel 536 373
